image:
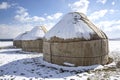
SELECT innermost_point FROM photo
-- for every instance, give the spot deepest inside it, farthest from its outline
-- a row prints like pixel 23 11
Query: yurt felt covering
pixel 32 45
pixel 17 42
pixel 33 41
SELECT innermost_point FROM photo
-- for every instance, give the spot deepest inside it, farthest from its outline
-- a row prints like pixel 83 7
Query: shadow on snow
pixel 29 67
pixel 37 67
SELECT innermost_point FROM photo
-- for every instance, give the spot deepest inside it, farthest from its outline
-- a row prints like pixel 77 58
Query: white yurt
pixel 17 42
pixel 33 40
pixel 75 40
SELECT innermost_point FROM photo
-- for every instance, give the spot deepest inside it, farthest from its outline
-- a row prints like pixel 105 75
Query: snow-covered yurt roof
pixel 75 25
pixel 19 37
pixel 36 33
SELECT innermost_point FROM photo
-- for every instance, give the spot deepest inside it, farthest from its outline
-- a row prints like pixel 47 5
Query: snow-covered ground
pixel 18 65
pixel 5 44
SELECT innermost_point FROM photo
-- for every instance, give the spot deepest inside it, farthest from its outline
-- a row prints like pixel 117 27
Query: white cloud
pixel 50 17
pixel 23 16
pixel 36 18
pixel 111 28
pixel 11 31
pixel 109 25
pixel 80 6
pixel 4 5
pixel 98 14
pixel 113 3
pixel 111 11
pixel 57 15
pixel 51 20
pixel 102 1
pixel 54 16
pixel 101 13
pixel 21 10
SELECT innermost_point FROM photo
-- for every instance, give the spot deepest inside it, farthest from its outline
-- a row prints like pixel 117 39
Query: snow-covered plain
pixel 16 64
pixel 5 44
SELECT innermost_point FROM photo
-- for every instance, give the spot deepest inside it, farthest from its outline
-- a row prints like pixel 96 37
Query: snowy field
pixel 18 65
pixel 5 44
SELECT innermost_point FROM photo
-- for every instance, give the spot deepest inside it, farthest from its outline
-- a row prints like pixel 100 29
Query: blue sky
pixel 17 16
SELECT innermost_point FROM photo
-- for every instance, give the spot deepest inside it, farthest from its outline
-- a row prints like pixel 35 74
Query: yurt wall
pixel 17 43
pixel 80 53
pixel 33 41
pixel 32 45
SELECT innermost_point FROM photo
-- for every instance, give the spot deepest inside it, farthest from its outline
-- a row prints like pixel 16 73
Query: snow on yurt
pixel 75 41
pixel 17 42
pixel 33 41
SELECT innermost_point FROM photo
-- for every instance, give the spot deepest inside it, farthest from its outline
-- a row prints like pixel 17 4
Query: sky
pixel 18 16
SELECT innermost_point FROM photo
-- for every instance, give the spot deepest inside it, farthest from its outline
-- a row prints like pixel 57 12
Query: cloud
pixel 111 11
pixel 101 1
pixel 11 31
pixel 54 16
pixel 51 20
pixel 113 3
pixel 21 10
pixel 98 14
pixel 111 28
pixel 36 18
pixel 110 25
pixel 81 6
pixel 101 13
pixel 23 16
pixel 4 5
pixel 25 22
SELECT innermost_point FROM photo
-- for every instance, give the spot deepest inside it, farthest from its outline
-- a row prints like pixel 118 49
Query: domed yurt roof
pixel 75 25
pixel 36 33
pixel 19 37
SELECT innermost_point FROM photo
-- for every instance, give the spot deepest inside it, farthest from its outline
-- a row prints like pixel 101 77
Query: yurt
pixel 17 42
pixel 33 41
pixel 75 41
